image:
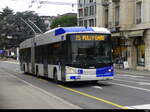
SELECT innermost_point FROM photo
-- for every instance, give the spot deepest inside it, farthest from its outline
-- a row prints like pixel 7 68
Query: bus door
pixel 28 70
pixel 45 68
pixel 62 69
pixel 63 77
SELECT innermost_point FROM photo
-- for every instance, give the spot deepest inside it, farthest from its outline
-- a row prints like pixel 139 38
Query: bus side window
pixel 40 56
pixel 50 53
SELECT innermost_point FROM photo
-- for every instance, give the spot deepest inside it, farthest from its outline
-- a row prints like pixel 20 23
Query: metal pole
pixel 32 47
pixel 29 25
pixel 35 25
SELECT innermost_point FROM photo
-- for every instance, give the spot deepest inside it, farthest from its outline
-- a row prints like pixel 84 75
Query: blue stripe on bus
pixel 60 31
pixel 80 72
pixel 105 75
pixel 75 77
pixel 104 72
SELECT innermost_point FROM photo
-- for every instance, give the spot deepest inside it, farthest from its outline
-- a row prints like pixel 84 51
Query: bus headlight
pixel 70 70
pixel 111 70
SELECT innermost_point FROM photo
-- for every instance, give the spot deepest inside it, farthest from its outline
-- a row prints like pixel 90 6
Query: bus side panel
pixel 30 68
pixel 41 69
pixel 51 71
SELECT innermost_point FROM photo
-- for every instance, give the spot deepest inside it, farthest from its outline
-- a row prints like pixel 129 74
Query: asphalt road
pixel 124 92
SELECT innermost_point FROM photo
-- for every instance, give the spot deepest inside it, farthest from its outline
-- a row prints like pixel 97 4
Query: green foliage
pixel 12 25
pixel 6 25
pixel 64 21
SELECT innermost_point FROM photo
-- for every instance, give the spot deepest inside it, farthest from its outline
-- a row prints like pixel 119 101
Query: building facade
pixel 48 21
pixel 87 13
pixel 129 22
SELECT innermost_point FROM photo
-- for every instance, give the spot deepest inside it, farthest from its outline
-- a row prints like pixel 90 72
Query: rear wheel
pixel 94 82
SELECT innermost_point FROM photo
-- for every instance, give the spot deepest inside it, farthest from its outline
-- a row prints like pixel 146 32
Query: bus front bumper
pixel 76 77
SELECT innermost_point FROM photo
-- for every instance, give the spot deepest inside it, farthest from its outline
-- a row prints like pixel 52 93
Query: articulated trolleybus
pixel 69 54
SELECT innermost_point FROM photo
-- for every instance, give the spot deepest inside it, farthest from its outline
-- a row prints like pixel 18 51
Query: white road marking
pixel 97 87
pixel 11 62
pixel 125 81
pixel 133 87
pixel 133 76
pixel 144 83
pixel 139 83
pixel 144 106
pixel 129 107
pixel 141 80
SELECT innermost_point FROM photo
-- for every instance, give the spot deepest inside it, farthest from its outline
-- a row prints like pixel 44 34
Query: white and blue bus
pixel 69 54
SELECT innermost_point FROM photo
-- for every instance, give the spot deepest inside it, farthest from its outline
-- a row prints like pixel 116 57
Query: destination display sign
pixel 90 37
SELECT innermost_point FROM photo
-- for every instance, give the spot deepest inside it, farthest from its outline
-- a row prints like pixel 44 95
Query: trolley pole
pixel 32 47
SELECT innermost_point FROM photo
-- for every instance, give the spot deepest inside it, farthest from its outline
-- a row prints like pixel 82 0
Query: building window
pixel 140 45
pixel 106 17
pixel 85 2
pixel 138 12
pixel 80 23
pixel 85 23
pixel 119 50
pixel 90 1
pixel 86 11
pixel 141 55
pixel 91 10
pixel 80 12
pixel 91 22
pixel 117 11
pixel 80 3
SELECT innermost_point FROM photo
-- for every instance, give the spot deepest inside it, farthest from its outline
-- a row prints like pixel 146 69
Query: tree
pixel 23 31
pixel 64 21
pixel 6 26
pixel 12 25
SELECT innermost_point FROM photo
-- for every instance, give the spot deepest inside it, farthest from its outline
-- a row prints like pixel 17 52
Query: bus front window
pixel 90 53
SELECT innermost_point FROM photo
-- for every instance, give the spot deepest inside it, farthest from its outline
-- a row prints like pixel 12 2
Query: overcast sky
pixel 45 10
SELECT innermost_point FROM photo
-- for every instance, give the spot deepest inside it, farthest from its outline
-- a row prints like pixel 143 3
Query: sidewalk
pixel 9 60
pixel 16 93
pixel 133 72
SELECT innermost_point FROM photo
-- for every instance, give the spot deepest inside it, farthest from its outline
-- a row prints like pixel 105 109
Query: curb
pixel 13 62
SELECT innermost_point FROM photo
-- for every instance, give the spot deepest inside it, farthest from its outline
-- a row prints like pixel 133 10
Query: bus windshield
pixel 90 50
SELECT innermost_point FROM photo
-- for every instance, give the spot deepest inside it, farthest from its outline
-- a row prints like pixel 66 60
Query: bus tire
pixel 95 82
pixel 55 76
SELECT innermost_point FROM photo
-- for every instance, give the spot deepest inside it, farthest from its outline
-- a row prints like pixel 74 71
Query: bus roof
pixel 48 37
pixel 63 30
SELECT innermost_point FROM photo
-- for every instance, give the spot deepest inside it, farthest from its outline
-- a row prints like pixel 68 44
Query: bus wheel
pixel 56 77
pixel 95 82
